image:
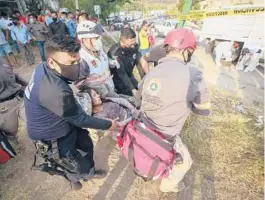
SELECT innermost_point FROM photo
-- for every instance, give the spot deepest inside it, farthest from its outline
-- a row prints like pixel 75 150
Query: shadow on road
pixel 120 178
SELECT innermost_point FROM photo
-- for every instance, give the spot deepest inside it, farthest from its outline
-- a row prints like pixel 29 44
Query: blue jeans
pixel 41 49
pixel 5 50
pixel 144 51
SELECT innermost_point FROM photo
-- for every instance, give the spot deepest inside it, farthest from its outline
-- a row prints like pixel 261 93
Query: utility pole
pixel 76 4
pixel 185 11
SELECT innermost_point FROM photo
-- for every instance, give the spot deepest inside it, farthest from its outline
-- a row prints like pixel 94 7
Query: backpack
pixel 6 150
pixel 150 155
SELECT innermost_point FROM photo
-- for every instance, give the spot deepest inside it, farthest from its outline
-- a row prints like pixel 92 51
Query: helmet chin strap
pixel 188 59
pixel 92 45
pixel 92 52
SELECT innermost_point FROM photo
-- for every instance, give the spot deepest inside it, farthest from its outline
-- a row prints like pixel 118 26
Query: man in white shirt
pixel 223 50
pixel 5 49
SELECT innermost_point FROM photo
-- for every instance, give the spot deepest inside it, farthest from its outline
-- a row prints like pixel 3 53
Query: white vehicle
pixel 166 26
pixel 245 29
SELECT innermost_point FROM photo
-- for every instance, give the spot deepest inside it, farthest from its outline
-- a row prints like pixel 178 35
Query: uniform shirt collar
pixel 168 58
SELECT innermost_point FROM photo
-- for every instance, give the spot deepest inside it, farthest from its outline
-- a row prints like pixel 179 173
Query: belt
pixel 10 97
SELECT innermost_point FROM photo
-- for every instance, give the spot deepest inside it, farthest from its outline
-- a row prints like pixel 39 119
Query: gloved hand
pixel 114 63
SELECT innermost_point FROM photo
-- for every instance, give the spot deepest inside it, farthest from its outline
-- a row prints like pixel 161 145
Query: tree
pixel 88 6
pixel 181 5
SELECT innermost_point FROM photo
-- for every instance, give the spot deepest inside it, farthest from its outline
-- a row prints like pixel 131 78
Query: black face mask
pixel 54 19
pixel 130 50
pixel 188 59
pixel 70 72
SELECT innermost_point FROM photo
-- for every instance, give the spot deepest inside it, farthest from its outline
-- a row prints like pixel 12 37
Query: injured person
pixel 107 107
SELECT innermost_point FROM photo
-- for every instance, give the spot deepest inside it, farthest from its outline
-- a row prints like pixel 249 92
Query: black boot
pixel 98 174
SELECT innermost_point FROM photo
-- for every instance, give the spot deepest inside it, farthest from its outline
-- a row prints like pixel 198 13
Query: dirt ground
pixel 226 148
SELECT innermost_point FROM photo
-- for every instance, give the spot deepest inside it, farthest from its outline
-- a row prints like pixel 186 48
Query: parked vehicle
pixel 244 29
pixel 164 27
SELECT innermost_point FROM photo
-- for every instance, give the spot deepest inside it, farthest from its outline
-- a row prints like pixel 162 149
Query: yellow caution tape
pixel 197 15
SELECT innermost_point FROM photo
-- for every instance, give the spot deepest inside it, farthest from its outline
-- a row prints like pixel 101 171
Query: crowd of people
pixel 22 30
pixel 78 86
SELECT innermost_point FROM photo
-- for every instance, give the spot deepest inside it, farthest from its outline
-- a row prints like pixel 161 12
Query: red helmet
pixel 181 38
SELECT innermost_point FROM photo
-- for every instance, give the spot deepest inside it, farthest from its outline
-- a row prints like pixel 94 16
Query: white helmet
pixel 87 29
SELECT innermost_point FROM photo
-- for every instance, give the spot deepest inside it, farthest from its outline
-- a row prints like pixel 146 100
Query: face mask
pixel 129 50
pixel 97 44
pixel 31 21
pixel 54 19
pixel 70 72
pixel 188 59
pixel 15 23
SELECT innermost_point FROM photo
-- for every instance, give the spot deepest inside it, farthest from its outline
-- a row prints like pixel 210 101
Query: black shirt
pixel 123 77
pixel 57 28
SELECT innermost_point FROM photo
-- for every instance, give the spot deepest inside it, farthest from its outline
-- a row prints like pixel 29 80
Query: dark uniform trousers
pixel 77 147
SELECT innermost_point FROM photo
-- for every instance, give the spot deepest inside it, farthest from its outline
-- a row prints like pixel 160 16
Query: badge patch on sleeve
pixel 151 95
pixel 154 86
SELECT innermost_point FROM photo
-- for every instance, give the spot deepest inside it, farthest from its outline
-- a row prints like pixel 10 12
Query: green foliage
pixel 196 6
pixel 33 7
pixel 70 4
pixel 181 5
pixel 88 6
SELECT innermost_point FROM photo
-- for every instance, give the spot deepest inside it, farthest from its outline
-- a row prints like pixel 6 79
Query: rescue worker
pixel 55 118
pixel 168 94
pixel 11 91
pixel 249 58
pixel 127 54
pixel 92 51
pixel 223 50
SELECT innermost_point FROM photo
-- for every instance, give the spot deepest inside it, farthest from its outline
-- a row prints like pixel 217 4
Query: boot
pixel 181 186
pixel 76 185
pixel 98 174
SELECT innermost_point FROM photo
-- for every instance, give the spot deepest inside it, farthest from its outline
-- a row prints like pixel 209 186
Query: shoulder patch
pixel 154 86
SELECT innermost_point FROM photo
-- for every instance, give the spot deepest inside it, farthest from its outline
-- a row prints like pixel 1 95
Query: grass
pixel 227 151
